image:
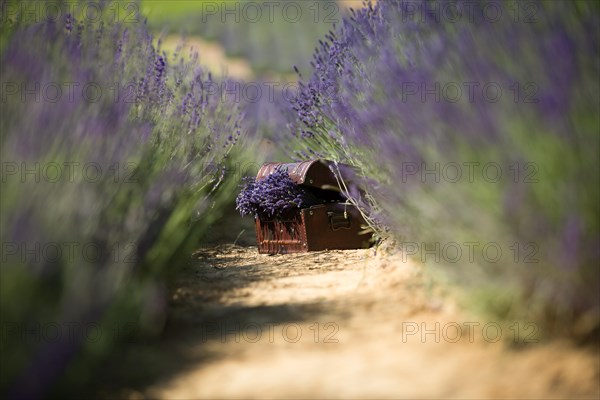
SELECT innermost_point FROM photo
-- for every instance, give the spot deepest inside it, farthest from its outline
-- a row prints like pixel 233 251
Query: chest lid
pixel 314 173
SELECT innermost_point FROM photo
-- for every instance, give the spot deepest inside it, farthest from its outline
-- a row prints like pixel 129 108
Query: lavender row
pixel 165 199
pixel 366 118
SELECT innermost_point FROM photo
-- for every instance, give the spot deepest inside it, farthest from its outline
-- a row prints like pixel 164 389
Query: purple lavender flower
pixel 159 68
pixel 69 23
pixel 273 196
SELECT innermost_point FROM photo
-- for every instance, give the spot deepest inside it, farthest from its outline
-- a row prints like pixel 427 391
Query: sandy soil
pixel 339 324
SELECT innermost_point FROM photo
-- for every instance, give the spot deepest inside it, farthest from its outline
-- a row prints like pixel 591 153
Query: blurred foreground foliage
pixel 467 130
pixel 114 159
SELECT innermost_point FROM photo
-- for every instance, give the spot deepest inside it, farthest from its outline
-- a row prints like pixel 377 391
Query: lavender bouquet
pixel 273 196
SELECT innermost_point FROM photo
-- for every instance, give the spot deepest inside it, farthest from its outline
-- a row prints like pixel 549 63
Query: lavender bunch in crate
pixel 273 196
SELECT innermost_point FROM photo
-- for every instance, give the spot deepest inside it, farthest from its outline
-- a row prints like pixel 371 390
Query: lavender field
pixel 466 133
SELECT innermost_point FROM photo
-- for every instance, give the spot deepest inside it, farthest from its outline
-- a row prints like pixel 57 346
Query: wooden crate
pixel 328 226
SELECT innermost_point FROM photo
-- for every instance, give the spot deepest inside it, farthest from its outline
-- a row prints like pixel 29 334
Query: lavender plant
pixel 111 155
pixel 407 97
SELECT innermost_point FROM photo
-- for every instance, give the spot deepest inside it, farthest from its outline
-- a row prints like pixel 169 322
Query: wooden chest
pixel 328 226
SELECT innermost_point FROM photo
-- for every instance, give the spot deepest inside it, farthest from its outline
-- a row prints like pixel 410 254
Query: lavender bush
pixel 111 155
pixel 408 97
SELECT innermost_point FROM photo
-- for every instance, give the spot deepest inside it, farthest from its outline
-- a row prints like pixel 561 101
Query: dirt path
pixel 339 324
